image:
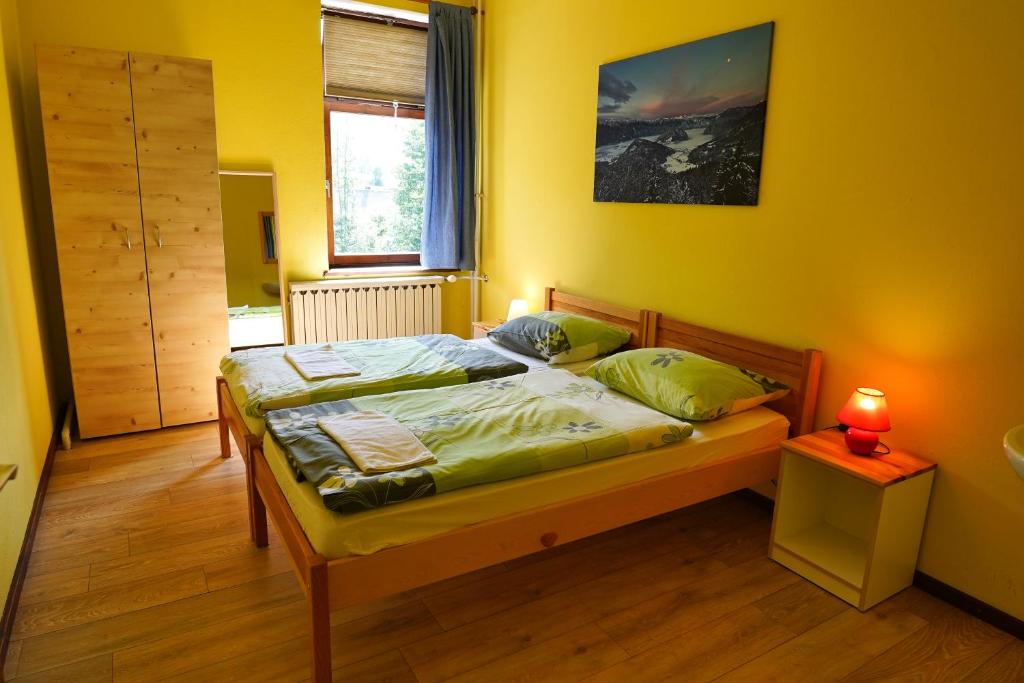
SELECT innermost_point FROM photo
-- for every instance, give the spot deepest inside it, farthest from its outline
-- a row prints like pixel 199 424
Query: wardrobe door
pixel 86 102
pixel 180 189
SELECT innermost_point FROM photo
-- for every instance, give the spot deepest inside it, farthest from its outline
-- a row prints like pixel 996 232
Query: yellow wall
pixel 242 199
pixel 890 231
pixel 267 83
pixel 27 415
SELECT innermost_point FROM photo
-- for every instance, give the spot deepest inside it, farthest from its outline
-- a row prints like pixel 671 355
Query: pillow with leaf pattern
pixel 559 337
pixel 685 385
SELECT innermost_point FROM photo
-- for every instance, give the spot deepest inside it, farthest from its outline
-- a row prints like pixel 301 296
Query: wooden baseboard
pixel 21 568
pixel 970 604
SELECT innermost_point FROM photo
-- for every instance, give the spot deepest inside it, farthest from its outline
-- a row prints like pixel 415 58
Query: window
pixel 374 72
pixel 376 191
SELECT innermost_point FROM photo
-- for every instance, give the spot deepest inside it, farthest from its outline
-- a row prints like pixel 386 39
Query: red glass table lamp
pixel 865 414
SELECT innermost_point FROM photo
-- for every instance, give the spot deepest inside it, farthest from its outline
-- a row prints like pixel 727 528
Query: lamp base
pixel 861 441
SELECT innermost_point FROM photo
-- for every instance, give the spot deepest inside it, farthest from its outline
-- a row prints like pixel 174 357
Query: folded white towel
pixel 376 442
pixel 319 363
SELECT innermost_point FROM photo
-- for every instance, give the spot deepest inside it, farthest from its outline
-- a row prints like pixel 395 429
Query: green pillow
pixel 685 385
pixel 559 337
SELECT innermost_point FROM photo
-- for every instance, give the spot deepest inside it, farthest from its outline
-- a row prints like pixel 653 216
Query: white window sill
pixel 360 271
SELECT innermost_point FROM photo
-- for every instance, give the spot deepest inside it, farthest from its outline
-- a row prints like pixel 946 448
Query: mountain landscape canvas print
pixel 685 125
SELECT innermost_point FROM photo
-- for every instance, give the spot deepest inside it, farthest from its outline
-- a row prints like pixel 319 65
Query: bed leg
pixel 257 509
pixel 222 422
pixel 319 620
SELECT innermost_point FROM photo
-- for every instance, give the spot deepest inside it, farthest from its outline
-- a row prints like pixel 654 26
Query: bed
pixel 451 535
pixel 263 379
pixel 246 426
pixel 336 535
pixel 247 430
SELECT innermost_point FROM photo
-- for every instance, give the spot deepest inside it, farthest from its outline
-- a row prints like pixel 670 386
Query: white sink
pixel 1013 442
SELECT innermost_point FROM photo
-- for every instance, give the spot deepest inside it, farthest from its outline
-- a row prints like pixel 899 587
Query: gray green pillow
pixel 685 385
pixel 559 337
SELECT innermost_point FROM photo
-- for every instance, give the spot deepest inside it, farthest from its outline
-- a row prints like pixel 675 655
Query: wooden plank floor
pixel 143 571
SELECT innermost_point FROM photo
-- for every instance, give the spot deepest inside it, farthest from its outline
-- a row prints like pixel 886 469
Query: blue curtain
pixel 450 123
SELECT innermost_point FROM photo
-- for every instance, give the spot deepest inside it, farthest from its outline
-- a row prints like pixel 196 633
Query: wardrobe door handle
pixel 159 239
pixel 127 239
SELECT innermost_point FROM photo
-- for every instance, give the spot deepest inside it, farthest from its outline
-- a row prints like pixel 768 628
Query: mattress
pixel 335 535
pixel 257 427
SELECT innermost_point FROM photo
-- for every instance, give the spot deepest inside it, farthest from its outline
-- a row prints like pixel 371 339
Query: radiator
pixel 339 310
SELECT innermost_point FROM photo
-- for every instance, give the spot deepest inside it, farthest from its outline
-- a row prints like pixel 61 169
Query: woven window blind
pixel 373 61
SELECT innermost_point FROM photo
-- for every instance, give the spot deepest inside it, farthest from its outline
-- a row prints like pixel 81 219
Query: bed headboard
pixel 801 370
pixel 638 322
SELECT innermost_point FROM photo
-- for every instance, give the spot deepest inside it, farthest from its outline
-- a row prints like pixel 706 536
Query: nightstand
pixel 482 327
pixel 851 524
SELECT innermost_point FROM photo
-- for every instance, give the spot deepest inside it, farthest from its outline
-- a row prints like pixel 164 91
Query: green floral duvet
pixel 268 381
pixel 480 433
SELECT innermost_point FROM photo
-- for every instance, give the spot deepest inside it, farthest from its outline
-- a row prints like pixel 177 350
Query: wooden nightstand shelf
pixel 482 327
pixel 849 523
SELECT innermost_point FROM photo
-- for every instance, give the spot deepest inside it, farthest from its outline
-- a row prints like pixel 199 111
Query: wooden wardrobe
pixel 131 151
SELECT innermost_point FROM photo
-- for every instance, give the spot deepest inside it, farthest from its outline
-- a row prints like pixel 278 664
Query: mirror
pixel 251 245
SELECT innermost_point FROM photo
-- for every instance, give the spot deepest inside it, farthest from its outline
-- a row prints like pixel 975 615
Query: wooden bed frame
pixel 327 583
pixel 229 415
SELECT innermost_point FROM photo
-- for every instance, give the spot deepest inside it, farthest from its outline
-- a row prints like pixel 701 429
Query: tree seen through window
pixel 377 184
